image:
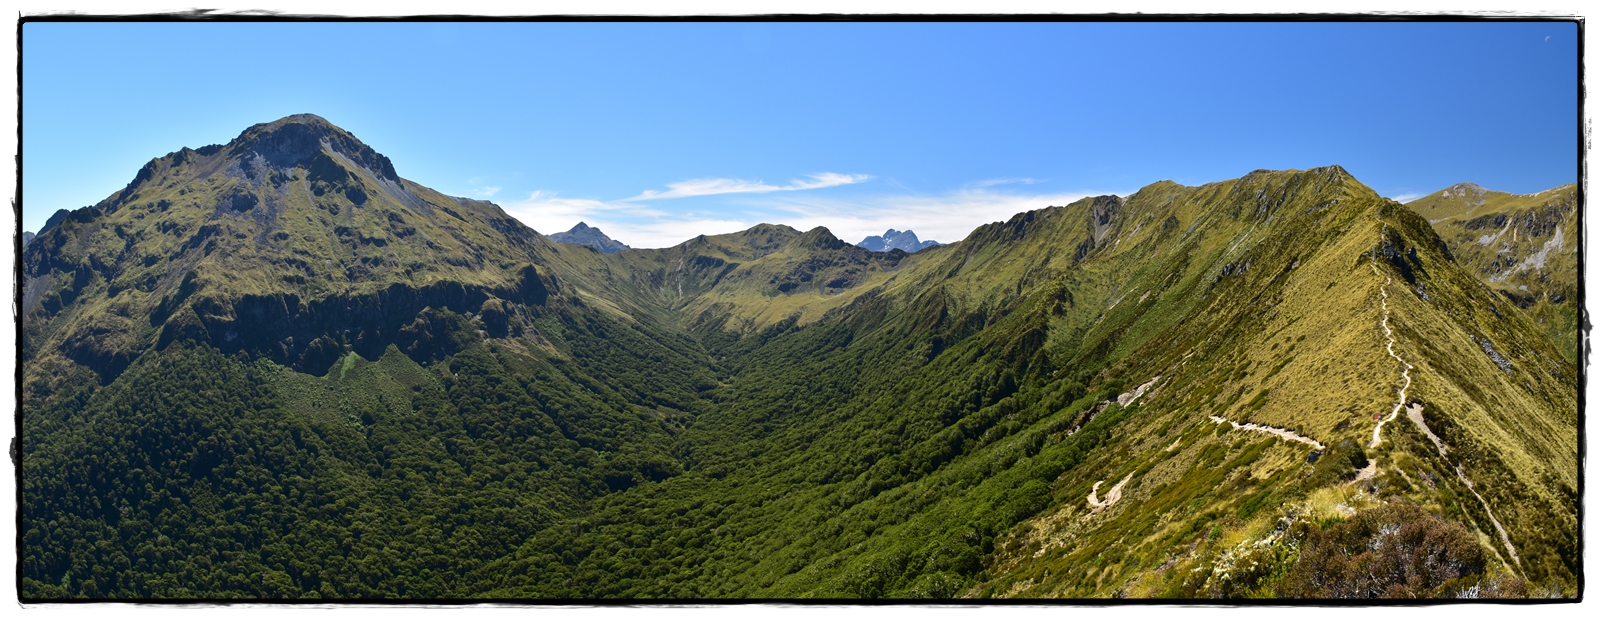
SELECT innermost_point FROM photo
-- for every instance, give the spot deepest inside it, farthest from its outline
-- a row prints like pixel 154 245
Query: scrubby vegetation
pixel 1395 552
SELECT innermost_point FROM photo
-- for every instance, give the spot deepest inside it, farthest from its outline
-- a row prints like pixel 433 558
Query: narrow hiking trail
pixel 1405 370
pixel 1414 412
pixel 1504 539
pixel 1280 433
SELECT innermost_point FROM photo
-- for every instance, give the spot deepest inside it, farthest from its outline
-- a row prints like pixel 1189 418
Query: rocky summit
pixel 275 368
pixel 589 236
pixel 891 240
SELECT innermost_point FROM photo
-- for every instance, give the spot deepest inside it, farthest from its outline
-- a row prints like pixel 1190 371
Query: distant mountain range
pixel 588 236
pixel 274 368
pixel 890 240
pixel 1522 246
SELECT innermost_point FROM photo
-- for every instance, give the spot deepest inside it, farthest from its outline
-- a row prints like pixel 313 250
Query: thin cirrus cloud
pixel 999 181
pixel 946 218
pixel 723 186
pixel 478 190
pixel 635 225
pixel 639 225
pixel 547 212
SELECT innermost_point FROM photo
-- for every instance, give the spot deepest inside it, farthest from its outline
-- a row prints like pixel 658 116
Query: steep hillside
pixel 273 368
pixel 1523 246
pixel 1322 327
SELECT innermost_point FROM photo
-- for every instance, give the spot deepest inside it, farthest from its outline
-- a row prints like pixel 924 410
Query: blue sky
pixel 658 132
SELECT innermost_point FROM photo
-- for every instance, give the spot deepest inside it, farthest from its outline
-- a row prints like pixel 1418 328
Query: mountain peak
pixel 292 139
pixel 309 119
pixel 820 237
pixel 1463 190
pixel 904 240
pixel 592 237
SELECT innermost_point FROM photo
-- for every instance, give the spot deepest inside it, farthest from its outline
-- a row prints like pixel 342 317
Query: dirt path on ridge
pixel 1414 413
pixel 1504 539
pixel 1405 370
pixel 1280 433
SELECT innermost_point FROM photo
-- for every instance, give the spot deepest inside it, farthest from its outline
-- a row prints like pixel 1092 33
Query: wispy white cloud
pixel 1405 197
pixel 482 192
pixel 664 232
pixel 999 181
pixel 946 217
pixel 723 186
pixel 635 225
pixel 549 213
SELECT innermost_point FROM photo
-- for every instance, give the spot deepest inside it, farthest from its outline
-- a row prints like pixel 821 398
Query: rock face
pixel 589 236
pixel 890 240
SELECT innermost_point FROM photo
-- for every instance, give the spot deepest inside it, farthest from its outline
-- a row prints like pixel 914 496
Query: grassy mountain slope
pixel 296 223
pixel 892 477
pixel 1524 246
pixel 1202 513
pixel 750 279
pixel 413 395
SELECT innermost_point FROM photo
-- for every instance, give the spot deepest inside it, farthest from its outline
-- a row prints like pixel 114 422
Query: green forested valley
pixel 275 369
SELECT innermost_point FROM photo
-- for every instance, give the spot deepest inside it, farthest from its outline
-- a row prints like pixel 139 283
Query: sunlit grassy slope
pixel 1206 513
pixel 275 369
pixel 1256 300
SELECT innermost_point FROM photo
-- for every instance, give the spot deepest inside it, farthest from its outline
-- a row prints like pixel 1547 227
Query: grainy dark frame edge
pixel 1585 326
pixel 15 447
